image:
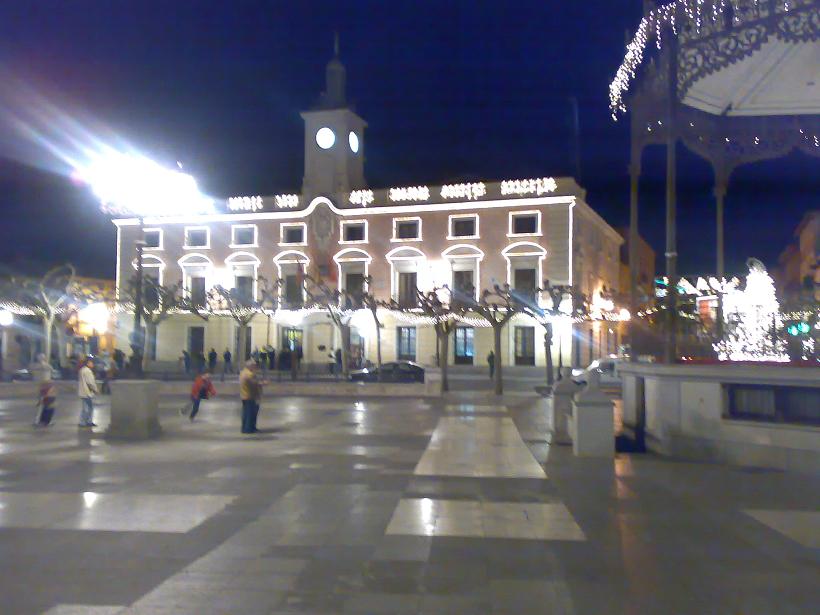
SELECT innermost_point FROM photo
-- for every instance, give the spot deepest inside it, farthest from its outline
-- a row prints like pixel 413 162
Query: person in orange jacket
pixel 202 388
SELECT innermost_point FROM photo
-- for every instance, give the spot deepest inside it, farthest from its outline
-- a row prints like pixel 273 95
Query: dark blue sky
pixel 450 89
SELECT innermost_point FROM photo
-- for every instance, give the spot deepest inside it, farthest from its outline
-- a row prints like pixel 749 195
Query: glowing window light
pixel 353 141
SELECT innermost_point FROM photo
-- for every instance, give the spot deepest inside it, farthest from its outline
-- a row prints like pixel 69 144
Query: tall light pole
pixel 129 184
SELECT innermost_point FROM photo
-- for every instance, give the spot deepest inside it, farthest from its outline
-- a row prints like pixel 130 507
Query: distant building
pixel 468 236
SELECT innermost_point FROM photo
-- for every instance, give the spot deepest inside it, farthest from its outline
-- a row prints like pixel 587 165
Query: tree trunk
pixel 61 343
pixel 444 337
pixel 48 325
pixel 241 351
pixel 378 345
pixel 548 349
pixel 344 331
pixel 150 337
pixel 499 387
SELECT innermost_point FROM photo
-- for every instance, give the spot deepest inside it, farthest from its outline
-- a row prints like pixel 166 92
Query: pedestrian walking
pixel 186 361
pixel 250 392
pixel 202 388
pixel 212 356
pixel 338 356
pixel 47 393
pixel 119 359
pixel 271 358
pixel 491 363
pixel 227 366
pixel 86 390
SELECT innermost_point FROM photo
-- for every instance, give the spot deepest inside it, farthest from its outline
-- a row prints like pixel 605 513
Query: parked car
pixel 607 368
pixel 395 371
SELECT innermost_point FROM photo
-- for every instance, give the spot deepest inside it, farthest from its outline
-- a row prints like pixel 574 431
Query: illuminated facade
pixel 468 236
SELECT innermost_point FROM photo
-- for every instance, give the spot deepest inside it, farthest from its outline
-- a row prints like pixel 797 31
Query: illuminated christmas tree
pixel 752 320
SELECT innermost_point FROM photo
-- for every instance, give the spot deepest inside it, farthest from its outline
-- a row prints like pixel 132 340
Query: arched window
pixel 525 265
pixel 406 269
pixel 465 269
pixel 243 274
pixel 290 267
pixel 353 267
pixel 197 276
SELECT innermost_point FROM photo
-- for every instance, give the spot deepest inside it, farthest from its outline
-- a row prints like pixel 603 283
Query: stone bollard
pixel 561 406
pixel 134 410
pixel 593 431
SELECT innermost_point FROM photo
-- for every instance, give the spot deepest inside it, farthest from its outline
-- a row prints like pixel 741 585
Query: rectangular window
pixel 150 292
pixel 525 223
pixel 244 287
pixel 463 226
pixel 463 282
pixel 197 290
pixel 524 282
pixel 771 403
pixel 525 345
pixel 293 292
pixel 153 239
pixel 243 235
pixel 196 342
pixel 293 234
pixel 408 294
pixel 197 237
pixel 354 232
pixel 291 339
pixel 464 345
pixel 406 343
pixel 407 229
pixel 354 286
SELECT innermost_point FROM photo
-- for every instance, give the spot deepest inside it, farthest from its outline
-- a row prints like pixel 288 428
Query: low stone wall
pixel 683 410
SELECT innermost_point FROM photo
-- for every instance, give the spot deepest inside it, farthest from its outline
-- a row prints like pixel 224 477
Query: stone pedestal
pixel 134 410
pixel 561 406
pixel 593 430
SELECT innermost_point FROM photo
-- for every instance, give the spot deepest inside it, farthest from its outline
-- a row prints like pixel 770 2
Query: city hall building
pixel 468 236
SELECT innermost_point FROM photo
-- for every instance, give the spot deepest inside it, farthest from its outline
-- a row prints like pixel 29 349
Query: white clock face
pixel 354 142
pixel 325 137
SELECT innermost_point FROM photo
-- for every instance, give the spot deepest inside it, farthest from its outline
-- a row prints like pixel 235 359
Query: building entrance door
pixel 196 342
pixel 525 345
pixel 464 346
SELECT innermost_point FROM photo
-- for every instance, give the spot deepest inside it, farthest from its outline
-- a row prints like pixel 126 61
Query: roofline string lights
pixel 664 17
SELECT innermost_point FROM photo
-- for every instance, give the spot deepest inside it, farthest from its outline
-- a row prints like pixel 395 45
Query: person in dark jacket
pixel 212 360
pixel 491 363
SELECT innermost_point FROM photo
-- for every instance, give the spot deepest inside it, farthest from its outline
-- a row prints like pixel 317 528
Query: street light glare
pixel 130 184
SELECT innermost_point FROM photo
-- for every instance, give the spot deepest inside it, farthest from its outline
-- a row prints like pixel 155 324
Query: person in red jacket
pixel 203 388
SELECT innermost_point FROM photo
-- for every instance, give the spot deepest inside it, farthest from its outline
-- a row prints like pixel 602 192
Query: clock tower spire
pixel 334 138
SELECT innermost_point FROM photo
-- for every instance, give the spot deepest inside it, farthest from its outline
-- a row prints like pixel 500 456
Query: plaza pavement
pixel 388 506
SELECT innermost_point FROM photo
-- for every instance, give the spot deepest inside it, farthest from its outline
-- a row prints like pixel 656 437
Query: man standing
pixel 186 361
pixel 227 367
pixel 41 373
pixel 250 392
pixel 86 390
pixel 491 363
pixel 212 360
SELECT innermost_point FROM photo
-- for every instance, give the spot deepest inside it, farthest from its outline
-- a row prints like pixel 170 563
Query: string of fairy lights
pixel 665 17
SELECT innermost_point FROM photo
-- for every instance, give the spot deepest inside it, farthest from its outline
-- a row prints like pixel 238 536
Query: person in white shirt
pixel 86 390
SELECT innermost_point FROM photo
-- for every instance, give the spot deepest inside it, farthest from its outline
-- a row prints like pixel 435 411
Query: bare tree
pixel 238 305
pixel 337 303
pixel 497 307
pixel 443 314
pixel 372 304
pixel 158 303
pixel 47 298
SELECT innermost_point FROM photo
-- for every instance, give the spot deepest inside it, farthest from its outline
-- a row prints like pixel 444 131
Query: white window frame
pixel 149 261
pixel 351 255
pixel 514 214
pixel 454 260
pixel 345 223
pixel 289 257
pixel 244 259
pixel 396 239
pixel 207 245
pixel 452 217
pixel 188 261
pixel 286 225
pixel 160 247
pixel 255 243
pixel 418 261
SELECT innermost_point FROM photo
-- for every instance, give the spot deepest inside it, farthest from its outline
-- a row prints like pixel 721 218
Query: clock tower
pixel 334 139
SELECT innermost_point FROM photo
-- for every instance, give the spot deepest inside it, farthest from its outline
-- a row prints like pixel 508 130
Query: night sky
pixel 450 90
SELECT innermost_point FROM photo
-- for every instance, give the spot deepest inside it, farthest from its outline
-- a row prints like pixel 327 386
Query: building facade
pixel 468 236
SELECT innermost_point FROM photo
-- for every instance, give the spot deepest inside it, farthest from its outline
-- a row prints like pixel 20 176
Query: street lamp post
pixel 137 336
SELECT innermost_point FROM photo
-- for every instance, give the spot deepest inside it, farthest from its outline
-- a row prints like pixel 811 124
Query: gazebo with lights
pixel 736 81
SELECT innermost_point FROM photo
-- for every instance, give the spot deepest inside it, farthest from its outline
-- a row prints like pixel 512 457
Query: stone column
pixel 561 406
pixel 134 410
pixel 593 429
pixel 721 185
